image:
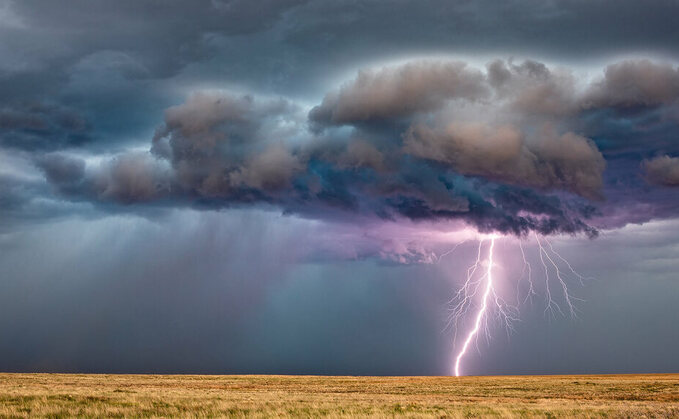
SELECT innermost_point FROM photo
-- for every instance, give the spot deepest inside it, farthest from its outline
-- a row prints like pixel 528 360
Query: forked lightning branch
pixel 480 299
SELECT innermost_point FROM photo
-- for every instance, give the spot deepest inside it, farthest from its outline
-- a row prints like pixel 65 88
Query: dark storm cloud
pixel 42 126
pixel 161 38
pixel 13 194
pixel 562 27
pixel 423 140
pixel 64 172
pixel 288 46
pixel 127 57
pixel 104 62
pixel 31 201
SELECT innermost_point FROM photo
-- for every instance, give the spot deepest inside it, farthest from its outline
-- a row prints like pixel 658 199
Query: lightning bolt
pixel 484 306
pixel 557 271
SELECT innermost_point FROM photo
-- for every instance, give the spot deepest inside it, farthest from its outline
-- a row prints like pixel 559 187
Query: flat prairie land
pixel 97 395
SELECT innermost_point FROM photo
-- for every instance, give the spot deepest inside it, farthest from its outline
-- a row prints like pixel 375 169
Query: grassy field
pixel 65 395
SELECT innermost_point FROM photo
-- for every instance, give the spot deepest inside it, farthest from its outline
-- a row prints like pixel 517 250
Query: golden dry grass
pixel 66 395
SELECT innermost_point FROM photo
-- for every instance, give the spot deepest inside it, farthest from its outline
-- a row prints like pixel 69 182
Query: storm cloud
pixel 391 92
pixel 422 140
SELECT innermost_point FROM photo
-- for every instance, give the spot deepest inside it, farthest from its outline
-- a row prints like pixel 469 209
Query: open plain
pixel 96 395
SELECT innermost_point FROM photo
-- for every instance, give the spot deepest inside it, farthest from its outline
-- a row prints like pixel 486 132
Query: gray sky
pixel 267 186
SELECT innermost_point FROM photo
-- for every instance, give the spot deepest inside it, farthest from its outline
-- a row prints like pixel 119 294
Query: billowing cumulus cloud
pixel 126 178
pixel 513 147
pixel 271 169
pixel 635 83
pixel 532 88
pixel 662 170
pixel 131 177
pixel 567 161
pixel 395 92
pixel 227 146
